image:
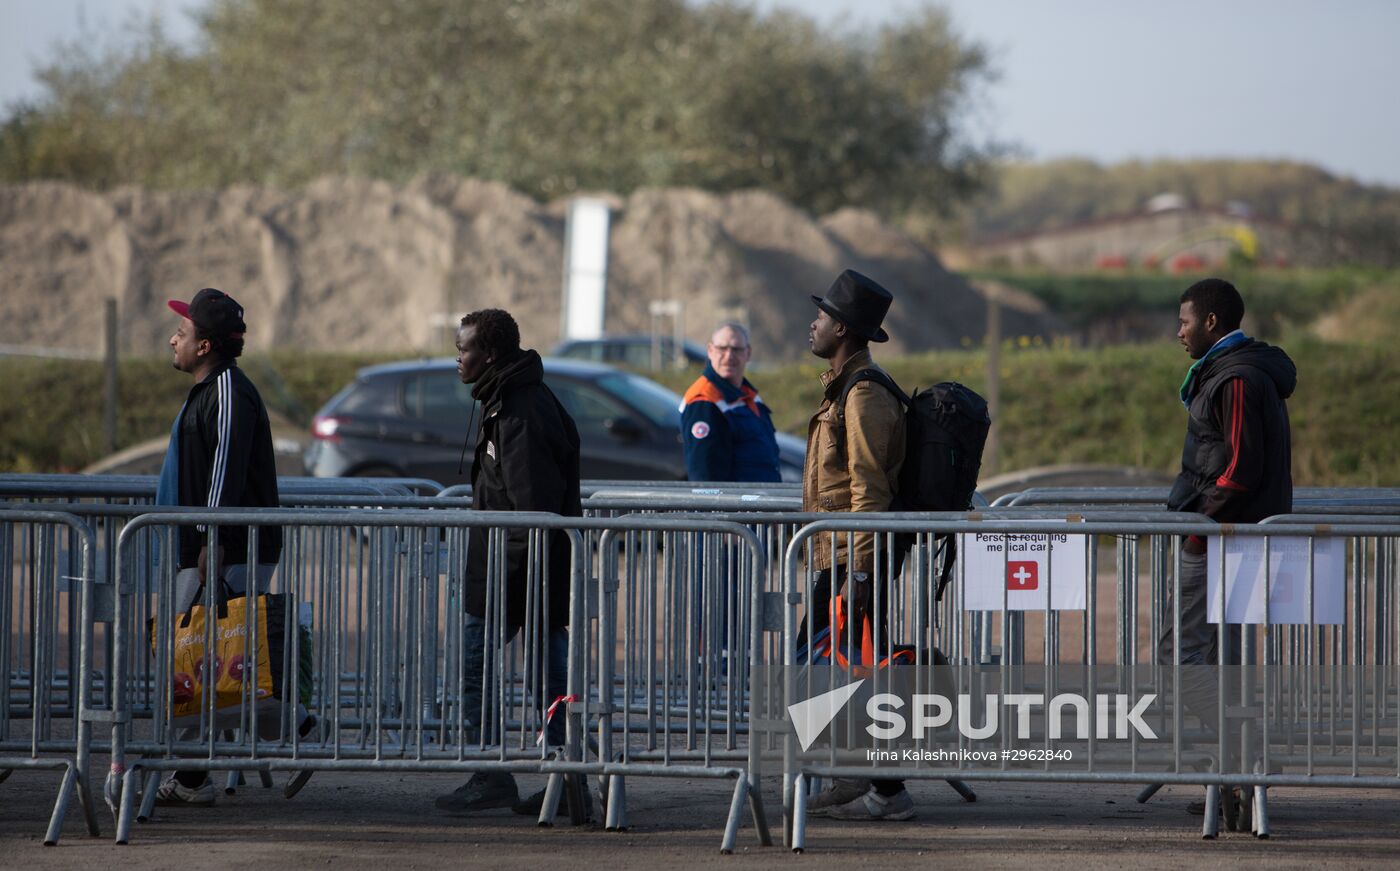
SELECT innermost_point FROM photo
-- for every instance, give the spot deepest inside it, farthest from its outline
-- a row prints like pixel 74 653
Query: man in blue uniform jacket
pixel 726 429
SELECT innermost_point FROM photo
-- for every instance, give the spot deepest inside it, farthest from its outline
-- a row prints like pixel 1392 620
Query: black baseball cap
pixel 214 312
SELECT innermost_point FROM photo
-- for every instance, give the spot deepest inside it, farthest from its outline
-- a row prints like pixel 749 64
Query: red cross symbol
pixel 1022 575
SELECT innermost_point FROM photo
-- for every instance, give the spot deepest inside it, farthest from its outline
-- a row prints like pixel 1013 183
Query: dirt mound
pixel 349 263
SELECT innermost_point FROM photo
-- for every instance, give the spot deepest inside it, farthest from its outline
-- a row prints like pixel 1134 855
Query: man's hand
pixel 204 562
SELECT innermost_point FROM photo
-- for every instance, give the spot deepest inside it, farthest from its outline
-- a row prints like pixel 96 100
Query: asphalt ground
pixel 356 820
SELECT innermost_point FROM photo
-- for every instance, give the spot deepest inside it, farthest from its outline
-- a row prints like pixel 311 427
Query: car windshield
pixel 661 406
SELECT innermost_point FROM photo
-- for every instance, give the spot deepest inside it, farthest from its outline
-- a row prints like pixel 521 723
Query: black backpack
pixel 945 431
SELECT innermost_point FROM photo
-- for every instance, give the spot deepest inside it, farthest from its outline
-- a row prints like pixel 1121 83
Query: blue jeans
pixel 556 678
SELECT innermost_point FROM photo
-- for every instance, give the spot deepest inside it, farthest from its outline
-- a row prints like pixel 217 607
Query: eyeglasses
pixel 725 349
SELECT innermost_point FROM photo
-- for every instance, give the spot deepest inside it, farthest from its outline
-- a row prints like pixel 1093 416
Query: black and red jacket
pixel 1236 466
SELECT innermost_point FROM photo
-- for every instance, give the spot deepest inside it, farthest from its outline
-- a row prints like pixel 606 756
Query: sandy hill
pixel 348 263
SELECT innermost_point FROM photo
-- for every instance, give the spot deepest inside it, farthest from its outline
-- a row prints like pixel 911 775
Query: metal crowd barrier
pixel 46 620
pixel 679 631
pixel 590 487
pixel 141 489
pixel 1085 496
pixel 1314 703
pixel 107 502
pixel 683 645
pixel 388 646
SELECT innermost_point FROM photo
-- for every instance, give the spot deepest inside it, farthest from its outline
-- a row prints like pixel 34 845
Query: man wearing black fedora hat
pixel 854 452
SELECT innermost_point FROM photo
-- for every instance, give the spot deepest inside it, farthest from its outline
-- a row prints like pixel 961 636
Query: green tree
pixel 549 96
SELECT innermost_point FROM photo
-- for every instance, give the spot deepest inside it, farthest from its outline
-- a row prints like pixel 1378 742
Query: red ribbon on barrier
pixel 549 715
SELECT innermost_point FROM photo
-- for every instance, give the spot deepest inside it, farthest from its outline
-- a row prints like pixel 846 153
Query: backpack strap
pixel 873 373
pixel 879 376
pixel 948 544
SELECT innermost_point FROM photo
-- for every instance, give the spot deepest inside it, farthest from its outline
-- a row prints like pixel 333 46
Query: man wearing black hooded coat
pixel 1235 467
pixel 527 459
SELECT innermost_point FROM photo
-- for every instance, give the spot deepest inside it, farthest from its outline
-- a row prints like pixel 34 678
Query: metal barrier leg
pixel 89 803
pixel 789 799
pixel 736 811
pixel 148 797
pixel 235 780
pixel 576 788
pixel 1244 810
pixel 1211 827
pixel 1147 792
pixel 963 790
pixel 112 791
pixel 616 818
pixel 1261 812
pixel 549 809
pixel 799 816
pixel 128 798
pixel 760 817
pixel 265 777
pixel 60 805
pixel 5 774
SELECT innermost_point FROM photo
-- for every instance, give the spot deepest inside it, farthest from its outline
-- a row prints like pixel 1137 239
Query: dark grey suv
pixel 409 420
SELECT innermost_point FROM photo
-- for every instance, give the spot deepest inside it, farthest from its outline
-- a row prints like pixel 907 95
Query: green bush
pixel 52 409
pixel 1119 405
pixel 1058 405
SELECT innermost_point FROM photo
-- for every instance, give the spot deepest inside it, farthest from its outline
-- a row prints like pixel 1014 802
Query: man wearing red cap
pixel 220 455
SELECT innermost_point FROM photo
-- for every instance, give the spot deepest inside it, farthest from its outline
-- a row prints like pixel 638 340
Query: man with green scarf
pixel 1235 468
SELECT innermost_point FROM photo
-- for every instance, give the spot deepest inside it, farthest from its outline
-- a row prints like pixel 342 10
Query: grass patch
pixel 1276 299
pixel 1119 405
pixel 1059 405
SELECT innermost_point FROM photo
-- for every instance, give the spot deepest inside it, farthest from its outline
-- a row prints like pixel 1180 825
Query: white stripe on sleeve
pixel 225 428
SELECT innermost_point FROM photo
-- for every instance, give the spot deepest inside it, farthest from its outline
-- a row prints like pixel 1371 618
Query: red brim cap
pixel 180 308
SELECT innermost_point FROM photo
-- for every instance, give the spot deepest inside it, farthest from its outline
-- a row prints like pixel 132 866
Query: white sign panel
pixel 1288 579
pixel 1025 569
pixel 585 269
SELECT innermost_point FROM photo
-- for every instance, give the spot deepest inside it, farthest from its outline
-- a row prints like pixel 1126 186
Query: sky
pixel 1110 80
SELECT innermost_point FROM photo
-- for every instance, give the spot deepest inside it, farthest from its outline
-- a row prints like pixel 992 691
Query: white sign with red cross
pixel 1023 572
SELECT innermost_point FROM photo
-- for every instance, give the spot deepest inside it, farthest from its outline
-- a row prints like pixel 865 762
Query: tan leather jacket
pixel 853 459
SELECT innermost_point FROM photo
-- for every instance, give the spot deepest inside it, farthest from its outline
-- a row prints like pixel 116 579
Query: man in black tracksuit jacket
pixel 527 459
pixel 227 460
pixel 1235 466
pixel 220 456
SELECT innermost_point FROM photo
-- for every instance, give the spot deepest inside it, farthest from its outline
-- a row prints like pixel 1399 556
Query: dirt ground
pixel 359 820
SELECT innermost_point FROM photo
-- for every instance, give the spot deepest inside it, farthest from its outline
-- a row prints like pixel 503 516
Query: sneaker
pixel 310 733
pixel 173 793
pixel 873 806
pixel 485 791
pixel 841 792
